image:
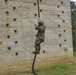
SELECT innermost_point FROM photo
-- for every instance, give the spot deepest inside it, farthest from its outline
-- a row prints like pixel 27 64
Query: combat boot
pixel 36 52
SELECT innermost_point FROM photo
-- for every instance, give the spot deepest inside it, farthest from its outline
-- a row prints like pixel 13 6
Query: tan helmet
pixel 41 22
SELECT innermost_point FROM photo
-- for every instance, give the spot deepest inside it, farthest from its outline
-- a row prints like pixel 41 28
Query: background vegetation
pixel 73 17
pixel 61 69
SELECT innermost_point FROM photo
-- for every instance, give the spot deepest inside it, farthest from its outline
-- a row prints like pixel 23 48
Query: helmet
pixel 41 22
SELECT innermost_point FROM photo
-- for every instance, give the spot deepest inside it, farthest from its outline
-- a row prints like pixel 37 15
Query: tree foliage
pixel 73 16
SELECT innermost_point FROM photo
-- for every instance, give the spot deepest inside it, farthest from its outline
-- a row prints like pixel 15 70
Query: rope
pixel 33 65
pixel 38 9
pixel 35 53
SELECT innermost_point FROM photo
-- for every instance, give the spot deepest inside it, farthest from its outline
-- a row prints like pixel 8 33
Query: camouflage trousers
pixel 38 41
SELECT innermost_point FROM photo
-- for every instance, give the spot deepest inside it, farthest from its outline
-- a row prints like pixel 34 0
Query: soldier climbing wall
pixel 39 37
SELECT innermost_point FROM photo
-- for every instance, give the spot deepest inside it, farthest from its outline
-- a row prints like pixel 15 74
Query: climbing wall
pixel 17 33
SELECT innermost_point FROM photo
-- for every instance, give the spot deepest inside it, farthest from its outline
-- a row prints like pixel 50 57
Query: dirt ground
pixel 20 70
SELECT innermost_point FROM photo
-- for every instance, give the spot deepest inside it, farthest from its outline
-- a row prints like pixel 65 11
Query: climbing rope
pixel 33 65
pixel 38 9
pixel 35 53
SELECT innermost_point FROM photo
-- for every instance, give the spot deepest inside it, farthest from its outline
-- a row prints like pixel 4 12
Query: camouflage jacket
pixel 41 30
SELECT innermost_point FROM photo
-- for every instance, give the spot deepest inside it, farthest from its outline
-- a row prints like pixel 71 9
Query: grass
pixel 74 53
pixel 60 69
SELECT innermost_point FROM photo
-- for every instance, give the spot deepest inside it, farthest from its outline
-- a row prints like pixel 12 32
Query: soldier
pixel 40 36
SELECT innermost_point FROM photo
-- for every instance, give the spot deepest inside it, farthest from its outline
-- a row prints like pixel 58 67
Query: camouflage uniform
pixel 39 37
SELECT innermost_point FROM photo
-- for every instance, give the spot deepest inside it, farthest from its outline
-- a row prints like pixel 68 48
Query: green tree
pixel 73 16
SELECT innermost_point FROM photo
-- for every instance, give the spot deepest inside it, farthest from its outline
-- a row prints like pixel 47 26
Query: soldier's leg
pixel 41 38
pixel 37 46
